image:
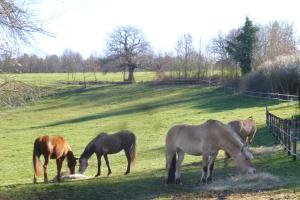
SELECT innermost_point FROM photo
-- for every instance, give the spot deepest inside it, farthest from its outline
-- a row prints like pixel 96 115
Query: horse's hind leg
pixel 107 164
pixel 211 160
pixel 127 153
pixel 170 166
pixel 178 167
pixel 45 166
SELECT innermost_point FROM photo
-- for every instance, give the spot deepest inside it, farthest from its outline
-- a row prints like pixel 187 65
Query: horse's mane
pixel 228 132
pixel 90 147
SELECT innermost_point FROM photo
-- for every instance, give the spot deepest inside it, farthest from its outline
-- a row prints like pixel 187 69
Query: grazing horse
pixel 246 129
pixel 104 144
pixel 52 147
pixel 206 140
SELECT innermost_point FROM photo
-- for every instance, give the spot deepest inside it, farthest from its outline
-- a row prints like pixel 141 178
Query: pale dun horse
pixel 206 140
pixel 246 129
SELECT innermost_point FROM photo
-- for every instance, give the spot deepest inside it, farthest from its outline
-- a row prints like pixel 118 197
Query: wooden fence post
pixel 289 138
pixel 285 134
pixel 294 140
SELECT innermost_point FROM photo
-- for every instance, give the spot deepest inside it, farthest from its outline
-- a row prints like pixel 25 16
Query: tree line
pixel 239 51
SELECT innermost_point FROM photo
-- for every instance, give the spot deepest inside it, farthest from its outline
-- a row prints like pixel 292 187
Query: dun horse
pixel 206 140
pixel 245 128
pixel 104 144
pixel 52 147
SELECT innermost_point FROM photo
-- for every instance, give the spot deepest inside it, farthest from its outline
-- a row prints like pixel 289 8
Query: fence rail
pixel 286 132
pixel 208 82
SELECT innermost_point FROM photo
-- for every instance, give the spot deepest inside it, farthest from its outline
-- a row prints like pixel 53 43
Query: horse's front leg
pixel 107 164
pixel 99 164
pixel 178 167
pixel 211 160
pixel 45 167
pixel 59 166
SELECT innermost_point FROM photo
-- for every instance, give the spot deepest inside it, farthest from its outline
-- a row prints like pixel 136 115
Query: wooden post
pixel 289 139
pixel 294 149
pixel 285 134
pixel 294 139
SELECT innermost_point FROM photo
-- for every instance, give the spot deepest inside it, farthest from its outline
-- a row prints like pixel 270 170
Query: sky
pixel 83 25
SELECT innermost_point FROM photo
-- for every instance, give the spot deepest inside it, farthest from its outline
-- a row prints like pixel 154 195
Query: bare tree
pixel 184 50
pixel 16 25
pixel 128 44
pixel 93 64
pixel 219 49
pixel 71 62
pixel 275 39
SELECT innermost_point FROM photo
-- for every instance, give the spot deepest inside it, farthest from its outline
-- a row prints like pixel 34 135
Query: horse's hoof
pixel 202 181
pixel 178 182
pixel 168 182
pixel 126 173
pixel 209 181
pixel 108 173
pixel 97 175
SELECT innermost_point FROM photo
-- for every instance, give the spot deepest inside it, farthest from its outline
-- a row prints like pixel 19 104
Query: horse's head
pixel 243 160
pixel 72 161
pixel 83 164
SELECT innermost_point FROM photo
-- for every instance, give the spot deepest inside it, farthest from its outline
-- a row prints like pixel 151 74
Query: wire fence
pixel 275 96
pixel 286 132
pixel 208 82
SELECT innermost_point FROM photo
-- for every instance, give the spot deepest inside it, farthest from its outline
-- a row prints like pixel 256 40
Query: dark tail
pixel 132 151
pixel 172 170
pixel 35 159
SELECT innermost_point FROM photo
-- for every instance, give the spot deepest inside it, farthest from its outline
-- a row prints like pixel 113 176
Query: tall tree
pixel 128 45
pixel 242 47
pixel 184 51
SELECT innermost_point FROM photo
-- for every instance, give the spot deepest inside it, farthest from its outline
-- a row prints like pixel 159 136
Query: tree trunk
pixel 130 74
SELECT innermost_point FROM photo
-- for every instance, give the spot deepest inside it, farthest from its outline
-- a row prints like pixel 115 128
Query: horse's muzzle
pixel 251 170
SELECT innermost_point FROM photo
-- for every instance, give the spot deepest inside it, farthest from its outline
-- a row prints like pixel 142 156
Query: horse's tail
pixel 172 170
pixel 132 151
pixel 35 158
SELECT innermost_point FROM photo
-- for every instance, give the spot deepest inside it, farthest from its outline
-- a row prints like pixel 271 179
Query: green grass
pixel 80 113
pixel 45 79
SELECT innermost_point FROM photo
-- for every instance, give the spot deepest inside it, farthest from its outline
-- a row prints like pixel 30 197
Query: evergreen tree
pixel 242 47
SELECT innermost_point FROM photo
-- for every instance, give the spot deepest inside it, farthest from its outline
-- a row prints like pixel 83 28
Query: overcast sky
pixel 82 25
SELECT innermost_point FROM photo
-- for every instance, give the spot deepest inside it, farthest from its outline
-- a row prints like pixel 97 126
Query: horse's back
pixel 189 138
pixel 54 145
pixel 113 143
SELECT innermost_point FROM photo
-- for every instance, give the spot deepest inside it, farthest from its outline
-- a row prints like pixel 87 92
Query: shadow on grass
pixel 263 138
pixel 150 184
pixel 212 100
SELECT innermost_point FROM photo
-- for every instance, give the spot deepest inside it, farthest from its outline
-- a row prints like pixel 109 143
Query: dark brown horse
pixel 52 147
pixel 104 144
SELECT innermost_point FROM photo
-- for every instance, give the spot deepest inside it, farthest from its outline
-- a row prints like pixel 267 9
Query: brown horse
pixel 206 140
pixel 246 129
pixel 52 147
pixel 104 144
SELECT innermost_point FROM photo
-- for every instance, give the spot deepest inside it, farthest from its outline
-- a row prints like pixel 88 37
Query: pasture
pixel 149 111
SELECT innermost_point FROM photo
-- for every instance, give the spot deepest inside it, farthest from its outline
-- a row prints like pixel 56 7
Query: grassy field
pixel 46 79
pixel 80 113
